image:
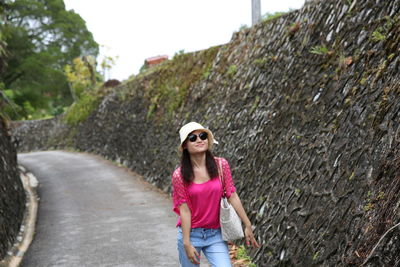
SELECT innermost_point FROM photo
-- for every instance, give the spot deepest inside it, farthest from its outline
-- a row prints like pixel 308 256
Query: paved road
pixel 93 213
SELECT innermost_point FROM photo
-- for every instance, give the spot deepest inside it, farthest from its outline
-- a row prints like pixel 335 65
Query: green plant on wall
pixel 207 72
pixel 178 54
pixel 232 70
pixel 315 256
pixel 319 50
pixel 166 86
pixel 79 111
pixel 377 36
pixel 369 205
pixel 153 106
pixel 270 16
pixel 380 33
pixel 85 87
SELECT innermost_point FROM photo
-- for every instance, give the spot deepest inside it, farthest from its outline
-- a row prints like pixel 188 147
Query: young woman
pixel 197 191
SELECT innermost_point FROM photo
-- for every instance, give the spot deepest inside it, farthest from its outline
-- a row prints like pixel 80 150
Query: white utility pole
pixel 255 11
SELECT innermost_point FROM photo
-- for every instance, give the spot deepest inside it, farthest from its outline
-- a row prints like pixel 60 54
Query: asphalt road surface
pixel 94 213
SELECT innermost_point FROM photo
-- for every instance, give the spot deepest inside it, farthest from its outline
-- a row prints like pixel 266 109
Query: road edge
pixel 27 230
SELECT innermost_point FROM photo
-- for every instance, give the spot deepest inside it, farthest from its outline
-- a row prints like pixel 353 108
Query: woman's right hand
pixel 192 253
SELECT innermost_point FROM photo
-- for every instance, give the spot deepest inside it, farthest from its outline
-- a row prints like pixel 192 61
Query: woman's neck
pixel 198 160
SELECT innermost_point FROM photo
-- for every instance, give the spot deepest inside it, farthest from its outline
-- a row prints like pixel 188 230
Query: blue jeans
pixel 210 242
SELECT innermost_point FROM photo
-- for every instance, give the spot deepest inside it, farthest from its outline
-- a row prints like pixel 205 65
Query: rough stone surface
pixel 306 110
pixel 12 195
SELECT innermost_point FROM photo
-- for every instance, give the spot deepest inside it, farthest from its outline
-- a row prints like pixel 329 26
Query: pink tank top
pixel 203 199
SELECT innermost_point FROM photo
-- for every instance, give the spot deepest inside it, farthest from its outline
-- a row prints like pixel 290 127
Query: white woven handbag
pixel 231 225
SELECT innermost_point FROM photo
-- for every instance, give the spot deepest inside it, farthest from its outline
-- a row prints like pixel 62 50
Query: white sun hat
pixel 193 126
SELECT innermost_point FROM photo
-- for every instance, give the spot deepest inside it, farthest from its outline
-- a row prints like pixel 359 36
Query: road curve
pixel 93 213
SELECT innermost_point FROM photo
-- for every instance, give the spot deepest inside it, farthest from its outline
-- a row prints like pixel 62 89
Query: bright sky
pixel 134 30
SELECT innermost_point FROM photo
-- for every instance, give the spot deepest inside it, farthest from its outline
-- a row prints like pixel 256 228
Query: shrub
pixel 79 111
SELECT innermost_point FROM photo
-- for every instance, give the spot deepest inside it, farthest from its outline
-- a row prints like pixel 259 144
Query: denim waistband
pixel 202 230
pixel 203 236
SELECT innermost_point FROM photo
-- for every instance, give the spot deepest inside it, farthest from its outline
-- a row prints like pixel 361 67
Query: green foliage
pixel 242 255
pixel 270 16
pixel 319 50
pixel 8 108
pixel 143 68
pixel 207 73
pixel 153 106
pixel 381 195
pixel 243 27
pixel 178 54
pixel 42 37
pixel 363 80
pixel 85 88
pixel 380 34
pixel 28 107
pixel 167 85
pixel 297 191
pixel 377 36
pixel 232 70
pixel 80 110
pixel 80 75
pixel 369 206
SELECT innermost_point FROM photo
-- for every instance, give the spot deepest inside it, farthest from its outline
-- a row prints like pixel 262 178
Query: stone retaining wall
pixel 12 195
pixel 306 111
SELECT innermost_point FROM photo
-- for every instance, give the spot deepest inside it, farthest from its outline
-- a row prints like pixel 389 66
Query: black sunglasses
pixel 193 137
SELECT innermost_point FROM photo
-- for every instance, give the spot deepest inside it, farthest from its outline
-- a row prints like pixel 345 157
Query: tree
pixel 2 42
pixel 106 65
pixel 42 38
pixel 80 76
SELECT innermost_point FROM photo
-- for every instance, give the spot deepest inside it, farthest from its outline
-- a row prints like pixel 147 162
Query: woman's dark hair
pixel 187 170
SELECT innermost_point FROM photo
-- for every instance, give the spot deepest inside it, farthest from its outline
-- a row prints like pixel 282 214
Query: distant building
pixel 152 61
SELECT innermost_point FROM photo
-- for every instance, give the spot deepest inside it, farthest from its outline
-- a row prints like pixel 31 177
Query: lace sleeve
pixel 178 190
pixel 228 181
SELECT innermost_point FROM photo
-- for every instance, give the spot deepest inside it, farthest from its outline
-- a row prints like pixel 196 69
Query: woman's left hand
pixel 248 232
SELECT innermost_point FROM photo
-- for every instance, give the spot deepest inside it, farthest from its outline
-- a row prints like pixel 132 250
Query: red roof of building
pixel 155 60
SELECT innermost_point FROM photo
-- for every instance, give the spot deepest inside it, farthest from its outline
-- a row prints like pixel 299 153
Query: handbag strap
pixel 221 176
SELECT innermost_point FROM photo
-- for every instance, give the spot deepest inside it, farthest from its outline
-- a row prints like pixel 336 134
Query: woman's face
pixel 199 145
